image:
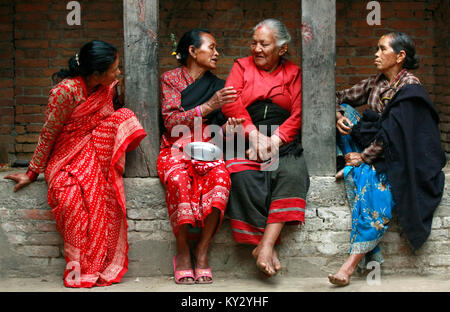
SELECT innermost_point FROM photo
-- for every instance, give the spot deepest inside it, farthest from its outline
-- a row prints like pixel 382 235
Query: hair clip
pixel 77 59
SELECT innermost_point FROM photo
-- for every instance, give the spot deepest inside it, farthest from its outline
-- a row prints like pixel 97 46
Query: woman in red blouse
pixel 269 181
pixel 82 149
pixel 196 191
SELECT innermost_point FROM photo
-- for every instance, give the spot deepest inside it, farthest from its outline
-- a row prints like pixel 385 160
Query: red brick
pixel 46 227
pixel 36 214
pixel 31 100
pixel 27 138
pixel 33 82
pixel 20 129
pixel 32 63
pixel 104 25
pixel 361 61
pixel 30 118
pixel 34 128
pixel 405 25
pixel 42 44
pixel 362 42
pixel 407 5
pixel 31 7
pixel 6 93
pixel 4 130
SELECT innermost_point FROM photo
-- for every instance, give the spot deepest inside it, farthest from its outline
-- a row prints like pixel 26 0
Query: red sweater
pixel 283 86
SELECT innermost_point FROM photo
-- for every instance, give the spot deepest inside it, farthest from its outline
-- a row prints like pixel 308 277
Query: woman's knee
pixel 219 176
pixel 178 179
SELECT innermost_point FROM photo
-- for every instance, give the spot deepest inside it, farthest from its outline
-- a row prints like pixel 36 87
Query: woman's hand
pixel 274 144
pixel 233 125
pixel 119 97
pixel 21 178
pixel 219 99
pixel 262 147
pixel 343 124
pixel 353 159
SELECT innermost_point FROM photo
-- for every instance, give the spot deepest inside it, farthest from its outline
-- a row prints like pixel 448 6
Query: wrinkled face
pixel 111 74
pixel 206 56
pixel 385 57
pixel 265 52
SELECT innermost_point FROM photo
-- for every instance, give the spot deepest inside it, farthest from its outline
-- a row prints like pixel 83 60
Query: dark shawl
pixel 413 159
pixel 266 113
pixel 201 91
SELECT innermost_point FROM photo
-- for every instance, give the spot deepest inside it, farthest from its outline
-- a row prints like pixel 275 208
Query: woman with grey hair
pixel 269 178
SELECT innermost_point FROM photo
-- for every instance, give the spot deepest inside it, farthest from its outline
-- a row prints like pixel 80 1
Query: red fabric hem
pixel 246 238
pixel 200 223
pixel 129 144
pixel 99 282
pixel 293 217
pixel 288 202
pixel 135 138
pixel 239 164
pixel 32 175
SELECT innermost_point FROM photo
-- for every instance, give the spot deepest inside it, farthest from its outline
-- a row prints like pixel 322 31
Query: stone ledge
pixel 31 246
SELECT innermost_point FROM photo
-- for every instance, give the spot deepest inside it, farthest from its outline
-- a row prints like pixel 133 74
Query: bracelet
pixel 198 109
pixel 32 175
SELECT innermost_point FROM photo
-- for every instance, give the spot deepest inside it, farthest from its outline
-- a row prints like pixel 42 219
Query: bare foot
pixel 264 260
pixel 339 175
pixel 275 261
pixel 339 279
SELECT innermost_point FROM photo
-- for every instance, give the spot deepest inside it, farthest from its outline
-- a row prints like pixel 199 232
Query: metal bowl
pixel 203 151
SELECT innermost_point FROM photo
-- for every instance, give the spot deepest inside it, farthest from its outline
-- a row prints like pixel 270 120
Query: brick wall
pixel 230 22
pixel 43 43
pixel 441 52
pixel 6 80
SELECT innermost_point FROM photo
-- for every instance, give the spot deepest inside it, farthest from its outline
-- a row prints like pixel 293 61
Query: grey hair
pixel 280 31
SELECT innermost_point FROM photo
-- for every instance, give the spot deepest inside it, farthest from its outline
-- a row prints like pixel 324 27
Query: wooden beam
pixel 142 81
pixel 318 85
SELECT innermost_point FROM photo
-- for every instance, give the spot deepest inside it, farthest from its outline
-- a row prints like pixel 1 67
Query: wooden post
pixel 142 81
pixel 318 85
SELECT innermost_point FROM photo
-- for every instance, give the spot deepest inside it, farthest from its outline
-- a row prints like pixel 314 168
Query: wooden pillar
pixel 318 85
pixel 142 81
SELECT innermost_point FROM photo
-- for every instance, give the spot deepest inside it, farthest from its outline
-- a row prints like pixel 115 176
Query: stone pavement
pixel 257 283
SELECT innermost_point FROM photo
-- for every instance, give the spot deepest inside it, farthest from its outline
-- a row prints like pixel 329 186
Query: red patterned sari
pixel 84 174
pixel 193 188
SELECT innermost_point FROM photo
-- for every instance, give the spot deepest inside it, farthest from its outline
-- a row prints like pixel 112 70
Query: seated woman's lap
pixel 253 192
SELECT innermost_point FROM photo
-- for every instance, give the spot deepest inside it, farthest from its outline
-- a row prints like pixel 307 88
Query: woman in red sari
pixel 82 149
pixel 196 191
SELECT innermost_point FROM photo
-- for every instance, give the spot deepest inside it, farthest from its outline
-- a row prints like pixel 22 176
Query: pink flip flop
pixel 203 273
pixel 180 274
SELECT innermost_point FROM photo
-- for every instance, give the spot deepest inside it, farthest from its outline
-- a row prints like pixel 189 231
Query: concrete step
pixel 278 283
pixel 31 247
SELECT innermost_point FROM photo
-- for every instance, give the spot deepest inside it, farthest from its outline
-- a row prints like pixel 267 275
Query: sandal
pixel 203 273
pixel 180 274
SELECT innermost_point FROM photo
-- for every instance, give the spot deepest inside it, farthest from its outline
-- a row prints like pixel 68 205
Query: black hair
pixel 94 56
pixel 401 41
pixel 191 37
